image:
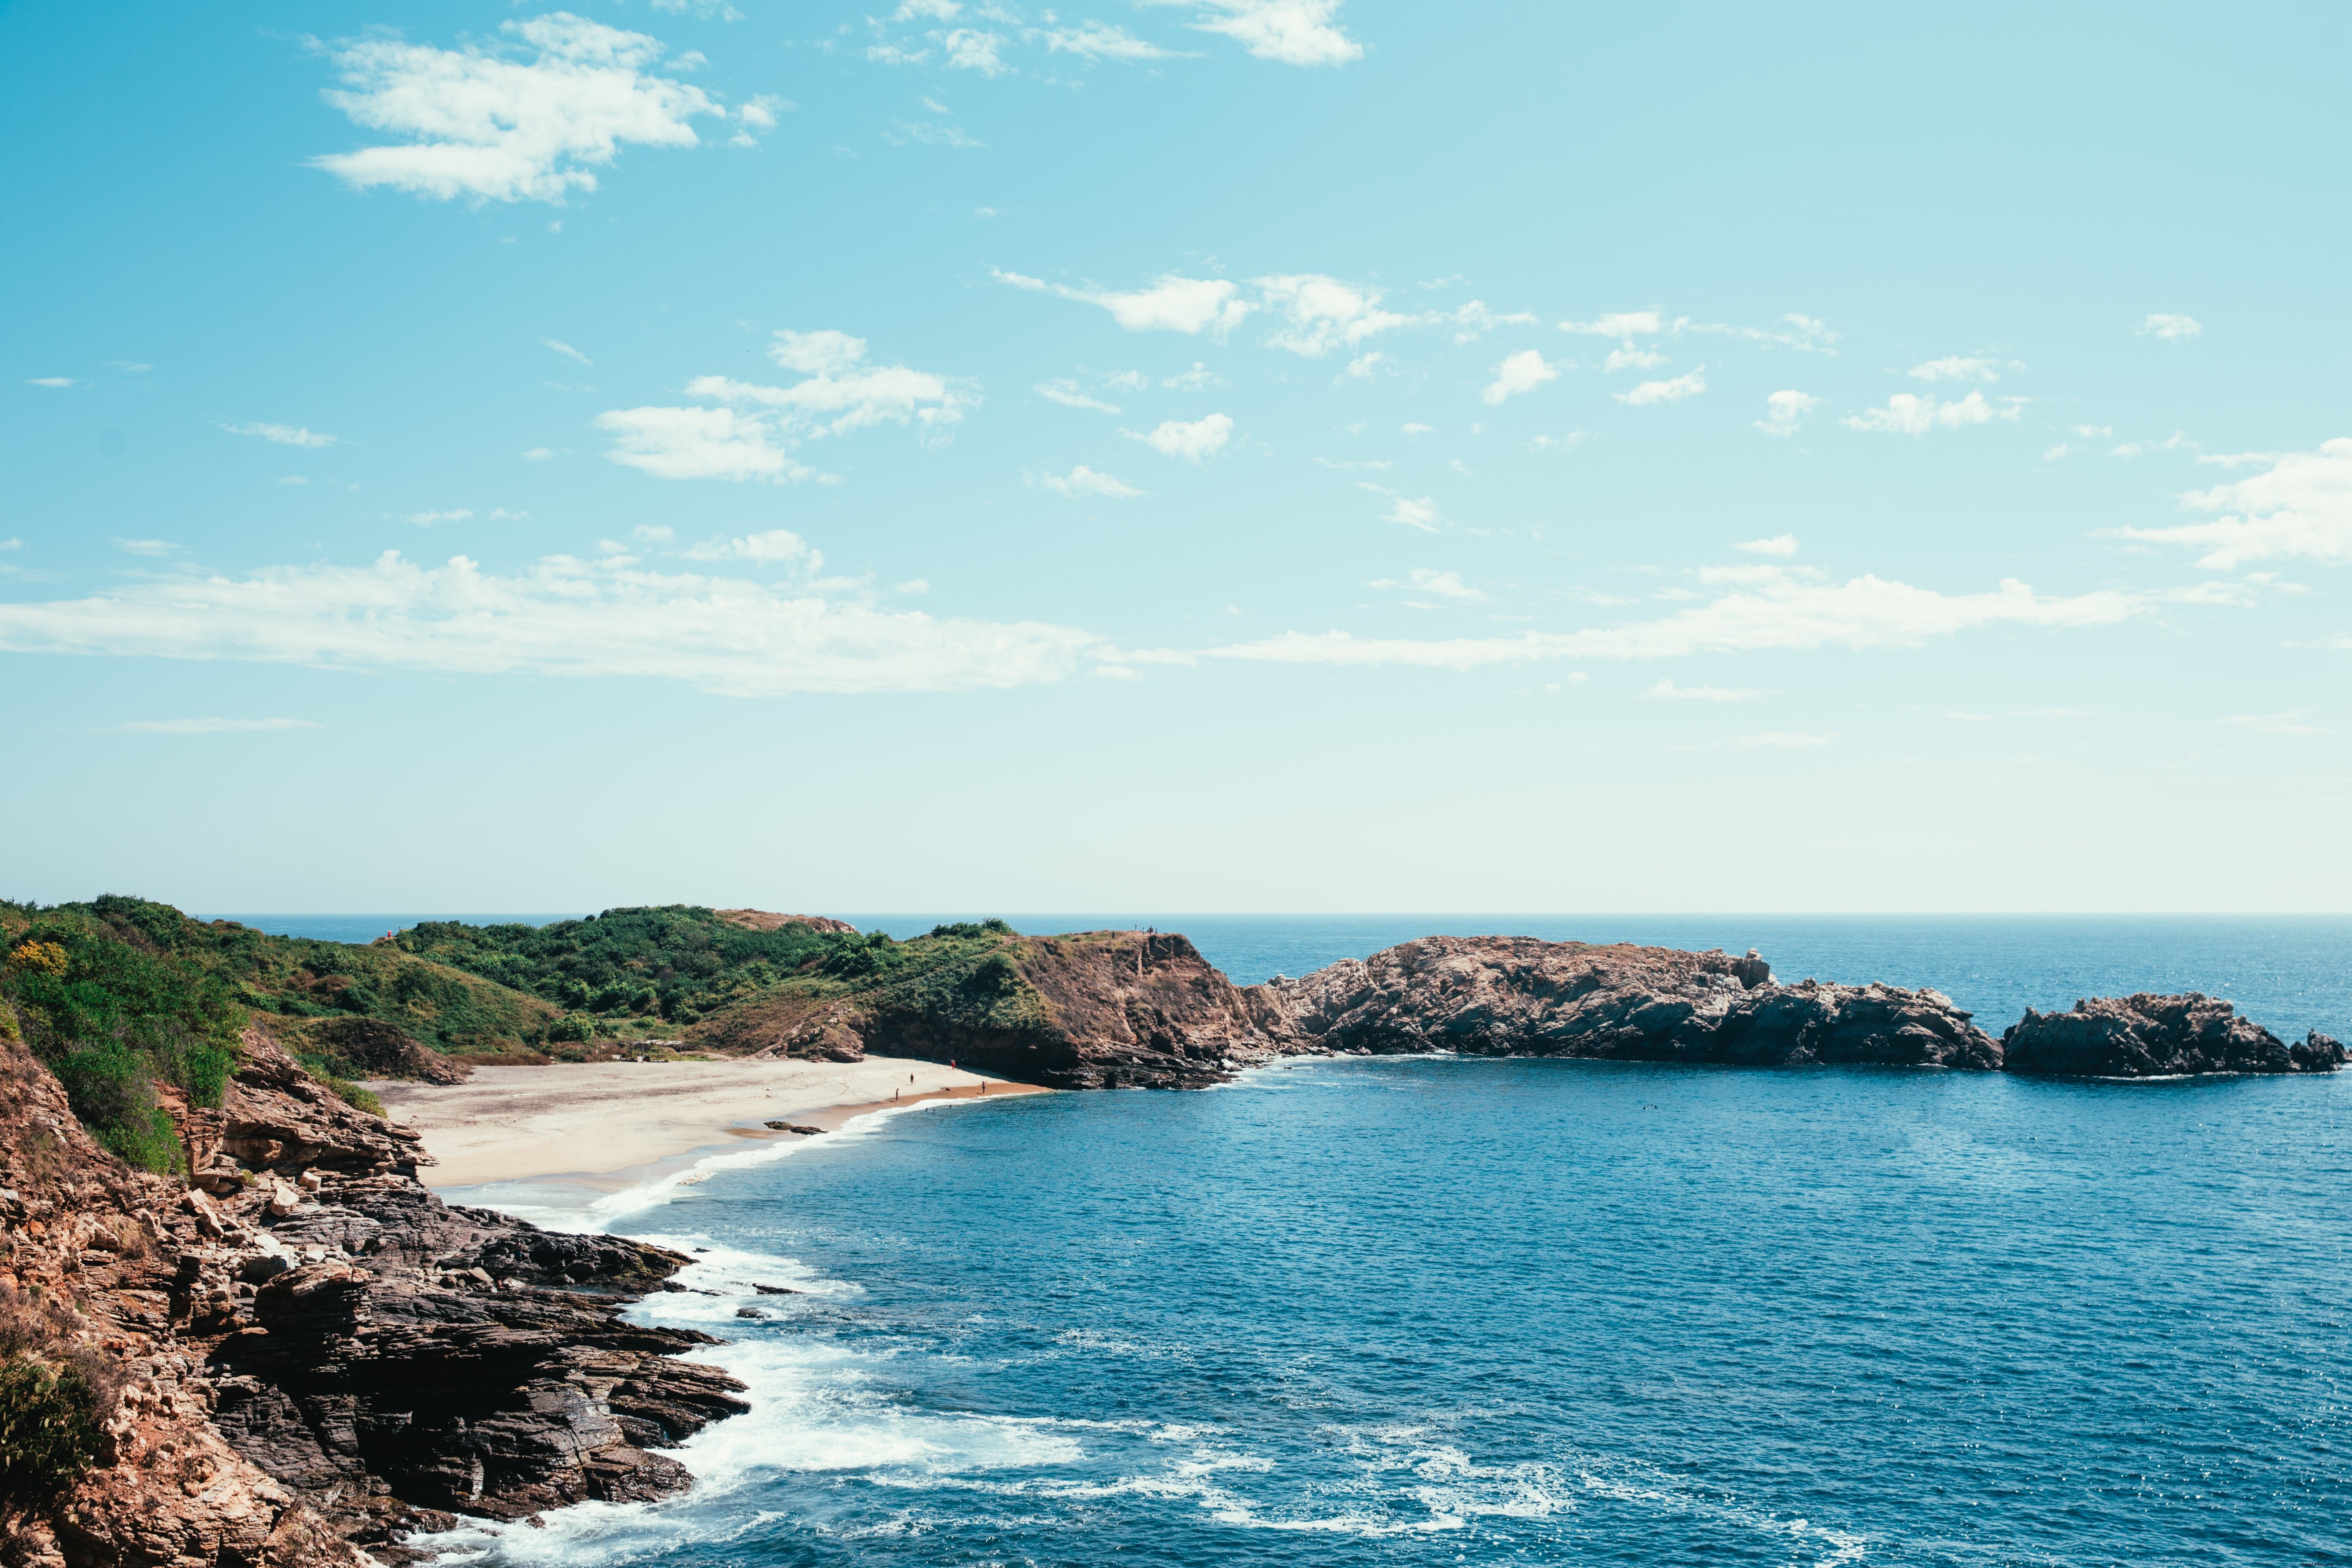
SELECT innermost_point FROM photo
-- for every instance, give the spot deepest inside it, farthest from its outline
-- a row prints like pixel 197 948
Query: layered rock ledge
pixel 309 1355
pixel 2145 1036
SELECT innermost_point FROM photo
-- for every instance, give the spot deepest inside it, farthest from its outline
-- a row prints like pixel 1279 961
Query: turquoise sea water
pixel 1440 1312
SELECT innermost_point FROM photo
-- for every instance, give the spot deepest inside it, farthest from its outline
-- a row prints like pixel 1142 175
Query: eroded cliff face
pixel 2145 1036
pixel 1520 997
pixel 314 1354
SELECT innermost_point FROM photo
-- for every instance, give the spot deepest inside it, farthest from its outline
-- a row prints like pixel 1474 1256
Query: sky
pixel 1200 455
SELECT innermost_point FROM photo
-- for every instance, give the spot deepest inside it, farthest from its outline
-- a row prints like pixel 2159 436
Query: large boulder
pixel 2144 1035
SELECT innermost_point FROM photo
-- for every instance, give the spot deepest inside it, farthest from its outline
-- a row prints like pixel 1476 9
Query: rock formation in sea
pixel 305 1353
pixel 2144 1035
pixel 1520 997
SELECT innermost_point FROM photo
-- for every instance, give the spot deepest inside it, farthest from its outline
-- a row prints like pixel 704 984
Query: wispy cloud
pixel 1958 368
pixel 2294 722
pixel 1440 584
pixel 2301 507
pixel 282 434
pixel 2164 326
pixel 1667 688
pixel 1689 384
pixel 563 617
pixel 1785 412
pixel 1421 514
pixel 1082 482
pixel 753 436
pixel 50 381
pixel 1171 304
pixel 567 351
pixel 1292 32
pixel 1780 610
pixel 1067 395
pixel 1908 414
pixel 148 547
pixel 210 726
pixel 1780 544
pixel 1194 440
pixel 526 121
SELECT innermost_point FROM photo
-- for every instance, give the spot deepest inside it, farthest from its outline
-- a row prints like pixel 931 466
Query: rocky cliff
pixel 2143 1036
pixel 1519 996
pixel 306 1354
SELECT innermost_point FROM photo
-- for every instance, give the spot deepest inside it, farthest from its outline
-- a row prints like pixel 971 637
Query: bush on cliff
pixel 48 1432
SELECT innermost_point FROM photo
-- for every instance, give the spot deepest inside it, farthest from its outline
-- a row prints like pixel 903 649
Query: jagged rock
pixel 276 1117
pixel 1521 996
pixel 2145 1036
pixel 305 1374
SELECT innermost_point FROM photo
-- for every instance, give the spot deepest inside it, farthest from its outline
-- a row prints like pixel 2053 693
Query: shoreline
pixel 610 1126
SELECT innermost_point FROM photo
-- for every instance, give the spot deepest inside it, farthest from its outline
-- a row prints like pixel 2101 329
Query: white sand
pixel 514 1123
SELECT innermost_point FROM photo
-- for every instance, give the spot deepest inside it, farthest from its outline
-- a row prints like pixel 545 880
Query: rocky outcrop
pixel 2144 1035
pixel 1520 997
pixel 310 1353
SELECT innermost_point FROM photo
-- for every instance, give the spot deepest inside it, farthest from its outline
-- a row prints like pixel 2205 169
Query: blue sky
pixel 1223 454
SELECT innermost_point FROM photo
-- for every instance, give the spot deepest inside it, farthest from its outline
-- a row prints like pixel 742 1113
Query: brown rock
pixel 2146 1036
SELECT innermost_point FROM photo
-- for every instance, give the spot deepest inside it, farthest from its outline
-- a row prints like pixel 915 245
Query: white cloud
pixel 1910 415
pixel 1784 612
pixel 929 10
pixel 1625 356
pixel 840 394
pixel 2301 507
pixel 1098 41
pixel 1363 368
pixel 1522 371
pixel 1803 333
pixel 892 55
pixel 1324 314
pixel 1574 439
pixel 145 546
pixel 2288 723
pixel 698 444
pixel 282 434
pixel 1618 325
pixel 1173 304
pixel 50 380
pixel 1785 412
pixel 1293 32
pixel 647 533
pixel 1084 481
pixel 486 123
pixel 428 519
pixel 969 50
pixel 773 547
pixel 1687 385
pixel 1700 693
pixel 1445 584
pixel 1067 395
pixel 211 726
pixel 567 351
pixel 12 544
pixel 2164 326
pixel 1955 368
pixel 1199 378
pixel 1421 514
pixel 1780 544
pixel 1474 321
pixel 540 455
pixel 912 585
pixel 1421 430
pixel 560 617
pixel 1787 739
pixel 1194 441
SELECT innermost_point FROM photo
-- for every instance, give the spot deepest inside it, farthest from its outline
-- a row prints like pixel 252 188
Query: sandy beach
pixel 515 1123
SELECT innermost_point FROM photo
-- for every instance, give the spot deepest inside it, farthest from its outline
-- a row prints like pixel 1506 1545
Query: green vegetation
pixel 672 964
pixel 49 1431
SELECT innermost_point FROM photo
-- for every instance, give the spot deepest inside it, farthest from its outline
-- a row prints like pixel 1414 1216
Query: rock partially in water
pixel 1520 997
pixel 2145 1036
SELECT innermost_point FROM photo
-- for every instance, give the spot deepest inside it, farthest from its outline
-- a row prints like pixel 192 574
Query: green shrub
pixel 342 1087
pixel 48 1432
pixel 572 1026
pixel 996 977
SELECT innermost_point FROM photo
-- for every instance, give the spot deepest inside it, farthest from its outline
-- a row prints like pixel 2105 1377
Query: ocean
pixel 1440 1311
